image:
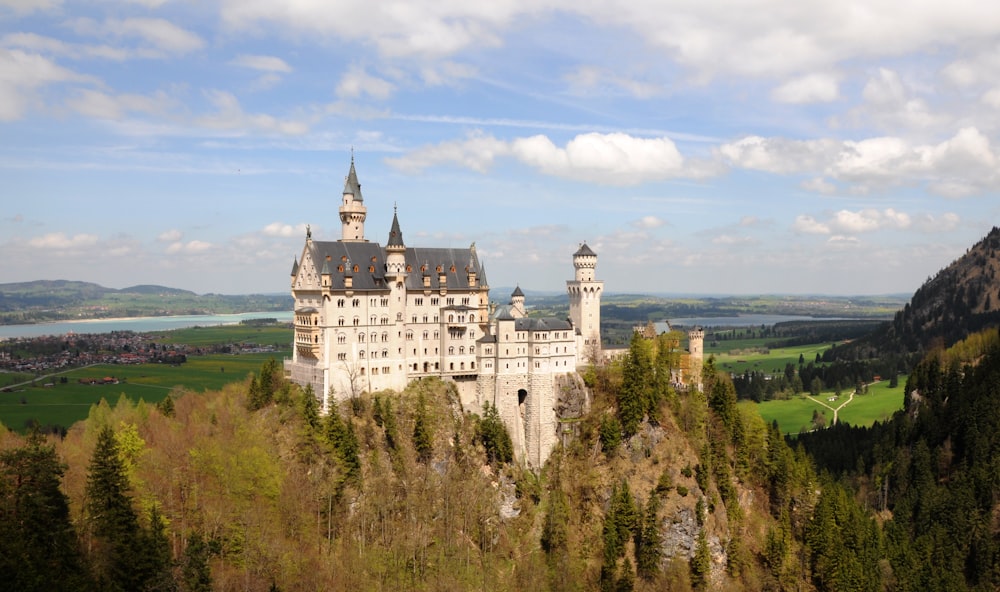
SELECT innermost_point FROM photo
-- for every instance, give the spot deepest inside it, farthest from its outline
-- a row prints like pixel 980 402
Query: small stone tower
pixel 696 354
pixel 585 304
pixel 352 211
pixel 517 303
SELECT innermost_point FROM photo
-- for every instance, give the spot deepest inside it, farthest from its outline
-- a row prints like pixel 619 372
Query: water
pixel 137 324
pixel 749 320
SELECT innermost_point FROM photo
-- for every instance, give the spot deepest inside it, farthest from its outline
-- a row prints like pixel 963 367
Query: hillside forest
pixel 249 488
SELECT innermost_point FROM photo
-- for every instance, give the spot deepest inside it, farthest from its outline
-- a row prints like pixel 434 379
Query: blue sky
pixel 744 147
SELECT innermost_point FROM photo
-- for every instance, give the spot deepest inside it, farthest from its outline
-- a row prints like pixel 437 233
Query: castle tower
pixel 696 355
pixel 352 210
pixel 395 251
pixel 517 303
pixel 585 304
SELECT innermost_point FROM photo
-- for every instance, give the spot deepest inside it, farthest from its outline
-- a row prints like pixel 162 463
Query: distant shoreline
pixel 136 324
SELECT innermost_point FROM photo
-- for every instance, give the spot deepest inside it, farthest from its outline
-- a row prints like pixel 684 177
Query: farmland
pixel 795 414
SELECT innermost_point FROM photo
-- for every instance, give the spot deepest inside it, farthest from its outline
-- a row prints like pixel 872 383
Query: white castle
pixel 370 318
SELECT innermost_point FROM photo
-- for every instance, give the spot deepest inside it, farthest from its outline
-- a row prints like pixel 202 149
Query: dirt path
pixel 837 409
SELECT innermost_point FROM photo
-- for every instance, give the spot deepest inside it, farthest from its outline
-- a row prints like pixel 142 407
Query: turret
pixel 352 210
pixel 585 305
pixel 517 303
pixel 395 251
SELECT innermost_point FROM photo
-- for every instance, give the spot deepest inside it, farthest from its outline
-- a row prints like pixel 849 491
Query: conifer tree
pixel 701 563
pixel 423 441
pixel 492 433
pixel 112 519
pixel 309 407
pixel 341 437
pixel 38 546
pixel 195 571
pixel 647 548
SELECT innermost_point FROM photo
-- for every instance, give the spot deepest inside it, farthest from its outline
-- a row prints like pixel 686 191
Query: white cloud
pixel 263 63
pixel 193 247
pixel 819 185
pixel 61 241
pixel 812 88
pixel 100 105
pixel 595 80
pixel 608 159
pixel 809 225
pixel 649 222
pixel 284 230
pixel 169 236
pixel 779 155
pixel 21 74
pixel 157 37
pixel 229 115
pixel 29 6
pixel 356 83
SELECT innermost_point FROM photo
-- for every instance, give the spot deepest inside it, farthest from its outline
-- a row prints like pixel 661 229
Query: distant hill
pixel 57 300
pixel 156 290
pixel 961 299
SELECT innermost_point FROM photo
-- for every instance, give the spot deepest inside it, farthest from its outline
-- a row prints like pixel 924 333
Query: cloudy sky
pixel 708 146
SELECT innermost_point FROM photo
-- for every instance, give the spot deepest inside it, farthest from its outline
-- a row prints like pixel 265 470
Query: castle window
pixel 385 302
pixel 385 320
pixel 418 302
pixel 425 318
pixel 414 319
pixel 341 338
pixel 472 318
pixel 409 268
pixel 451 318
pixel 465 300
pixel 434 301
pixel 340 303
pixel 436 318
pixel 361 338
pixel 399 316
pixel 385 337
pixel 362 371
pixel 451 365
pixel 409 335
pixel 374 318
pixel 451 351
pixel 361 354
pixel 340 322
pixel 341 356
pixel 385 353
pixel 425 334
pixel 356 268
pixel 461 349
pixel 450 301
pixel 356 302
pixel 357 321
pixel 374 370
pixel 462 365
pixel 436 335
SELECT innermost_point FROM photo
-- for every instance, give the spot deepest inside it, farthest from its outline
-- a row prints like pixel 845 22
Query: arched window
pixel 361 337
pixel 451 351
pixel 361 354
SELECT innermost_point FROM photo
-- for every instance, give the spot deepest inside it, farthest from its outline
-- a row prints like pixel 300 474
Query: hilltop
pixel 961 299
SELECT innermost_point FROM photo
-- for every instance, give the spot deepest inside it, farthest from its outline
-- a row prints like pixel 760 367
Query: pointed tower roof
pixel 517 292
pixel 395 234
pixel 583 250
pixel 351 184
pixel 295 267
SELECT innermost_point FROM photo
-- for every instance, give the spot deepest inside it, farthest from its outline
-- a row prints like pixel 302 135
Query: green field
pixel 279 336
pixel 772 362
pixel 795 414
pixel 65 404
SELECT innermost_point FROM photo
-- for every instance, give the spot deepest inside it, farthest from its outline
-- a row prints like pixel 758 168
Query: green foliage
pixel 38 550
pixel 555 528
pixel 649 541
pixel 610 434
pixel 342 439
pixel 492 434
pixel 166 406
pixel 309 408
pixel 423 438
pixel 636 396
pixel 196 574
pixel 701 563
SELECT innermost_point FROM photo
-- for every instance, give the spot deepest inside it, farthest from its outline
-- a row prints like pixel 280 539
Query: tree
pixel 341 437
pixel 701 563
pixel 492 433
pixel 423 441
pixel 195 572
pixel 635 397
pixel 38 546
pixel 648 549
pixel 112 519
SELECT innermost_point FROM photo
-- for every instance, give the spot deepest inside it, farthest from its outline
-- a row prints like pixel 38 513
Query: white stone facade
pixel 370 318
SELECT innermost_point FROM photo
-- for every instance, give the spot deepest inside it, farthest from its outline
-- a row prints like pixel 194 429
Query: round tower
pixel 352 210
pixel 696 355
pixel 517 303
pixel 585 305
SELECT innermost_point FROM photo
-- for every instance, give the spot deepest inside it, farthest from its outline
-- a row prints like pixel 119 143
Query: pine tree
pixel 423 441
pixel 195 571
pixel 309 407
pixel 648 544
pixel 111 517
pixel 701 563
pixel 38 546
pixel 492 433
pixel 341 437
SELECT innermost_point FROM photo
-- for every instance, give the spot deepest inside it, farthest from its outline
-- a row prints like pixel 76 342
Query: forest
pixel 250 488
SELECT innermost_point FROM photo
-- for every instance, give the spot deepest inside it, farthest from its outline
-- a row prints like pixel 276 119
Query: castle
pixel 371 318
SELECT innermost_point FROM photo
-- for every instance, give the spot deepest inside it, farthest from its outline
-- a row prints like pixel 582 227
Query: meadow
pixel 795 415
pixel 64 404
pixel 739 356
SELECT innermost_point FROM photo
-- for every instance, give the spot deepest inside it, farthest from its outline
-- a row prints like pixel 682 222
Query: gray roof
pixel 340 258
pixel 295 267
pixel 517 292
pixel 583 250
pixel 453 263
pixel 544 324
pixel 395 234
pixel 351 184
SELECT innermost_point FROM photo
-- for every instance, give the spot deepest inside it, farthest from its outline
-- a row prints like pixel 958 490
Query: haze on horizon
pixel 792 147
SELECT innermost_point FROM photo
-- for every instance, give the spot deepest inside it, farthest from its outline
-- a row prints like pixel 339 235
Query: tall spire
pixel 395 234
pixel 351 185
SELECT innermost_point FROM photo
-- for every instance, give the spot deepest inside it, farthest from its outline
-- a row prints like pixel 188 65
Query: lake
pixel 749 320
pixel 137 324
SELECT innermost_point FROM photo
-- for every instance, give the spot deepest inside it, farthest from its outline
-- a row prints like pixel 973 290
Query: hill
pixel 58 300
pixel 958 301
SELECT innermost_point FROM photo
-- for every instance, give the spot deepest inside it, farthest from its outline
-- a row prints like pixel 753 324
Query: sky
pixel 698 147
